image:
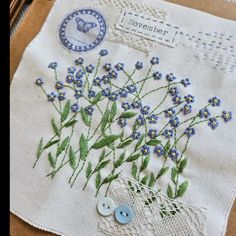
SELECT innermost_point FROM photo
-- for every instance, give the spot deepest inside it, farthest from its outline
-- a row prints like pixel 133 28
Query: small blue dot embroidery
pixel 82 30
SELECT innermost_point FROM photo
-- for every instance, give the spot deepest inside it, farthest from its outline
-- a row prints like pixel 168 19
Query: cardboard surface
pixel 29 28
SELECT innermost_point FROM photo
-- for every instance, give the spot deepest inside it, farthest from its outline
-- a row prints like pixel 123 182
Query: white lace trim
pixel 112 17
pixel 154 213
pixel 215 48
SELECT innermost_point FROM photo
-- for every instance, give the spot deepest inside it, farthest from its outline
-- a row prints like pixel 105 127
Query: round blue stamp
pixel 82 30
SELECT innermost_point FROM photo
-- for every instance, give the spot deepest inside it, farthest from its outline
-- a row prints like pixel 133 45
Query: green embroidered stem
pixel 86 78
pixel 51 102
pixel 112 172
pixel 175 179
pixel 128 76
pixel 162 101
pixel 141 88
pixel 67 148
pixel 96 71
pixel 202 121
pixel 93 104
pixel 162 168
pixel 155 90
pixel 60 167
pixel 177 105
pixel 56 80
pixel 58 144
pixel 52 139
pixel 167 124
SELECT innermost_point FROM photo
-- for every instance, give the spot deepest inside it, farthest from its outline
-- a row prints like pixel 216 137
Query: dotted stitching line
pixel 147 18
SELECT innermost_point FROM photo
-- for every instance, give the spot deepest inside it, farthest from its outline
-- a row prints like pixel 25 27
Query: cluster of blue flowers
pixel 75 79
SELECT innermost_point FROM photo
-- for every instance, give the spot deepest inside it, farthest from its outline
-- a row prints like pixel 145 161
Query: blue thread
pixel 82 30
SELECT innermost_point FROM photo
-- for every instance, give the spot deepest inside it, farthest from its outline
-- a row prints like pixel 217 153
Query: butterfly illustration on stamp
pixel 84 26
pixel 82 30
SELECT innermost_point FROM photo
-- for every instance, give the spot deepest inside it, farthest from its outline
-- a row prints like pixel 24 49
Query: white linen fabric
pixel 204 53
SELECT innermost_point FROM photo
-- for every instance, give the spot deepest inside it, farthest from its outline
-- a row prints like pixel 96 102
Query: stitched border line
pixel 150 36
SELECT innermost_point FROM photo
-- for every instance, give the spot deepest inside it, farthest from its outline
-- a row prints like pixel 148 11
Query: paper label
pixel 148 27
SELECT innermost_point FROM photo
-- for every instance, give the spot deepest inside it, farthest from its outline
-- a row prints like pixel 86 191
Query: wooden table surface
pixel 30 27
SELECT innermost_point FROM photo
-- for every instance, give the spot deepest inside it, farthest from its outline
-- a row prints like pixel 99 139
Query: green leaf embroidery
pixel 120 160
pixel 182 165
pixel 134 170
pixel 62 147
pixel 70 123
pixel 54 126
pixel 83 143
pixel 170 192
pixel 49 144
pixel 85 117
pixel 133 157
pixel 65 112
pixel 153 142
pixel 40 148
pixel 162 171
pixel 167 146
pixel 182 189
pixel 151 180
pixel 51 160
pixel 89 170
pixel 72 158
pixel 113 111
pixel 174 174
pixel 128 114
pixel 97 98
pixel 98 180
pixel 110 178
pixel 101 165
pixel 102 156
pixel 145 163
pixel 105 141
pixel 135 126
pixel 144 180
pixel 139 142
pixel 105 120
pixel 122 134
pixel 125 143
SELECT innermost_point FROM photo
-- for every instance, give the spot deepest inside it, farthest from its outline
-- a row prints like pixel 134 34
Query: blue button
pixel 124 214
pixel 106 206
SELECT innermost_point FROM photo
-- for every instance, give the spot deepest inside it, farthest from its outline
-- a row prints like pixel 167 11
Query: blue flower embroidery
pixel 157 75
pixel 215 101
pixel 145 150
pixel 75 108
pixel 123 121
pixel 227 116
pixel 139 65
pixel 159 150
pixel 39 82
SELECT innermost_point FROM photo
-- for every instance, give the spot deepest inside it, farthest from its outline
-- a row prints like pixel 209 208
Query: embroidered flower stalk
pixel 88 96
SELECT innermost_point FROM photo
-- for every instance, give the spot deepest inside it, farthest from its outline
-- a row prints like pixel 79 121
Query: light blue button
pixel 124 214
pixel 106 206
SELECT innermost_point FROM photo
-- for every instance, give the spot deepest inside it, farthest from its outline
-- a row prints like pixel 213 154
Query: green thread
pixel 78 158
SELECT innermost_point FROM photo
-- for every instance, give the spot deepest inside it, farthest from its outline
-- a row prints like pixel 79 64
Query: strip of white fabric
pixel 148 27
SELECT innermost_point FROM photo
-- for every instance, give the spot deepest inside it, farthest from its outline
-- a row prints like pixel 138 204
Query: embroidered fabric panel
pixel 98 93
pixel 215 48
pixel 101 116
pixel 155 213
